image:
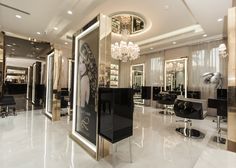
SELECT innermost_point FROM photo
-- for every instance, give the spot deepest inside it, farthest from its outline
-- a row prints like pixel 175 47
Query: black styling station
pixel 115 114
pixel 220 104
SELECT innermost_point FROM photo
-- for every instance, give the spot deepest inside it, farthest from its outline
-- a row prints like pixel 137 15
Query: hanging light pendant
pixel 125 50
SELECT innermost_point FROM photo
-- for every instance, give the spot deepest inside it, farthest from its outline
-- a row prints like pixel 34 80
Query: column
pixel 232 79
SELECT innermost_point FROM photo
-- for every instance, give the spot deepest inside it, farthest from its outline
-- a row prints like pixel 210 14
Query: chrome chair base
pixel 168 110
pixel 219 140
pixel 166 113
pixel 190 133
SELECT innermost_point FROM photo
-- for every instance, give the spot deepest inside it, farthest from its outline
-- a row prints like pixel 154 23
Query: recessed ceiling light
pixel 14 44
pixel 38 33
pixel 18 16
pixel 66 43
pixel 166 7
pixel 55 28
pixel 219 20
pixel 13 49
pixel 69 12
pixel 205 35
pixel 174 42
pixel 151 48
pixel 8 45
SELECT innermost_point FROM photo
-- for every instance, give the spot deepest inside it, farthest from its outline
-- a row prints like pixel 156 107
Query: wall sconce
pixel 222 50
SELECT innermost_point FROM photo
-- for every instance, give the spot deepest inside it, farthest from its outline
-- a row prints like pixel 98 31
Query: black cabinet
pixel 115 113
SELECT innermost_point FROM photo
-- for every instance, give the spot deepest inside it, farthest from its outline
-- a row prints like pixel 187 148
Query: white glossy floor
pixel 30 140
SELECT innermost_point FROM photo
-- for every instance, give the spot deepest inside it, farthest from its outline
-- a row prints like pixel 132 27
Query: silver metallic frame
pixel 49 86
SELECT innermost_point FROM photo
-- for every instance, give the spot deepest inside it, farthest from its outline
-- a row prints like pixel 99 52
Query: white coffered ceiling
pixel 166 20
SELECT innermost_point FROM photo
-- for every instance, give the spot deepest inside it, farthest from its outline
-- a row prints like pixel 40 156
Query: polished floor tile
pixel 212 158
pixel 30 140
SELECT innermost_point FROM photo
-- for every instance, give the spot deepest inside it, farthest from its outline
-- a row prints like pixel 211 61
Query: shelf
pixel 15 74
pixel 114 75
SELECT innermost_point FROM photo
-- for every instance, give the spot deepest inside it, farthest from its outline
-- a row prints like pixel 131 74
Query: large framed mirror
pixel 137 81
pixel 49 85
pixel 176 76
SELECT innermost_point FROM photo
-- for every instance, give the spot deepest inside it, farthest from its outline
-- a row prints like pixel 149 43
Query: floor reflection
pixel 32 140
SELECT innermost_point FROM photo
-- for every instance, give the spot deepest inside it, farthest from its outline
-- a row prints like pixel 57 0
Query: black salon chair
pixel 167 99
pixel 7 104
pixel 190 109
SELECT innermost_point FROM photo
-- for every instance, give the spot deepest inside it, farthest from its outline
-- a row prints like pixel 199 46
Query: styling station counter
pixel 115 114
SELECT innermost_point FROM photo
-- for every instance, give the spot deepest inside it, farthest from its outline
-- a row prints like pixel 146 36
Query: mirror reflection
pixel 137 81
pixel 175 75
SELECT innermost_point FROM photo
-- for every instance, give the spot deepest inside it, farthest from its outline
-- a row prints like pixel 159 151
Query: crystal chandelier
pixel 125 50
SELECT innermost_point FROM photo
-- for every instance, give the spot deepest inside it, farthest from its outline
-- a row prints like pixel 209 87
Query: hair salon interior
pixel 128 83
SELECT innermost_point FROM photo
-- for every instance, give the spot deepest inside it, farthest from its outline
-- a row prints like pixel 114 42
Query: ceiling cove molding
pixel 16 35
pixel 192 29
pixel 189 43
pixel 13 8
pixel 171 40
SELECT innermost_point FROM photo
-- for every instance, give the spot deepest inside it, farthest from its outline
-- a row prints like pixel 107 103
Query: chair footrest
pixel 191 133
pixel 218 139
pixel 166 113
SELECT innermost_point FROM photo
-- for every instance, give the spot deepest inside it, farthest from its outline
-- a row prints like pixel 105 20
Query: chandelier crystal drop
pixel 125 50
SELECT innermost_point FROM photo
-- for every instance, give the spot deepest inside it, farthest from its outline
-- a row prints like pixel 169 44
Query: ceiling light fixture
pixel 205 35
pixel 66 43
pixel 38 33
pixel 151 48
pixel 223 50
pixel 125 50
pixel 14 44
pixel 8 45
pixel 19 16
pixel 174 42
pixel 13 49
pixel 166 7
pixel 69 12
pixel 55 28
pixel 219 20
